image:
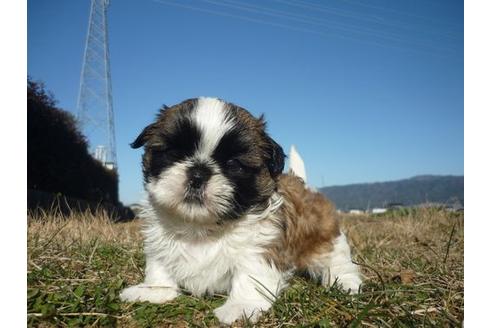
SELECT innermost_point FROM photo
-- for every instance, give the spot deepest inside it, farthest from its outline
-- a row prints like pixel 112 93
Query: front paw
pixel 350 282
pixel 230 312
pixel 152 294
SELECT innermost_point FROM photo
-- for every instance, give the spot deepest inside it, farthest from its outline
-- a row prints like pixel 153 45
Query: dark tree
pixel 57 157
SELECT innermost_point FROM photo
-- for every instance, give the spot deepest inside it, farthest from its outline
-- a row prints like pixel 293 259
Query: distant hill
pixel 417 190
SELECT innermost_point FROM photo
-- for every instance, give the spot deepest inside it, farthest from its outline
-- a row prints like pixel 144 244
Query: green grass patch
pixel 413 265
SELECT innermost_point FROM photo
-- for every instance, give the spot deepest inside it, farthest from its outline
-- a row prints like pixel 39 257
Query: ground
pixel 412 261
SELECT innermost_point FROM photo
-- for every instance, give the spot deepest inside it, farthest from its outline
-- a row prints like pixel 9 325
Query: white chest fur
pixel 207 264
pixel 200 267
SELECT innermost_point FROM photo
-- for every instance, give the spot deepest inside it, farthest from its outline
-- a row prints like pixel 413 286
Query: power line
pixel 402 13
pixel 226 14
pixel 364 18
pixel 322 33
pixel 287 15
pixel 306 19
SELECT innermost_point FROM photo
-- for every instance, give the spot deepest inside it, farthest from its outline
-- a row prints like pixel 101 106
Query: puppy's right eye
pixel 234 165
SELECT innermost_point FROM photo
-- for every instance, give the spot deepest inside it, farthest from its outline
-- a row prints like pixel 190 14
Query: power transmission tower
pixel 95 102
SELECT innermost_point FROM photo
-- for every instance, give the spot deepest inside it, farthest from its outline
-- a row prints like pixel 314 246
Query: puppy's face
pixel 208 161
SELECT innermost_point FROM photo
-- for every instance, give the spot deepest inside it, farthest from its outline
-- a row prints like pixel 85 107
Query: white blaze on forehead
pixel 212 120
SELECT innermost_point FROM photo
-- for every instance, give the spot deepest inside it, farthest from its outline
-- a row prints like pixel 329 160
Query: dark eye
pixel 234 165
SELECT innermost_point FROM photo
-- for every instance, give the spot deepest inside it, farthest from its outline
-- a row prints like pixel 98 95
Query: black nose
pixel 198 175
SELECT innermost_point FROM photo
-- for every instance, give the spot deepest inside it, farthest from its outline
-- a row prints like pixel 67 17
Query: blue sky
pixel 367 90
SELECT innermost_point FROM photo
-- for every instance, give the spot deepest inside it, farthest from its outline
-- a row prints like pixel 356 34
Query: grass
pixel 413 264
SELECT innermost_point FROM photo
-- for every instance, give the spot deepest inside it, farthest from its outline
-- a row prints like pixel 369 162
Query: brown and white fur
pixel 220 217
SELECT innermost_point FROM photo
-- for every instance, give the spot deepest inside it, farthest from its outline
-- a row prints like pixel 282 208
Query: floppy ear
pixel 276 157
pixel 142 138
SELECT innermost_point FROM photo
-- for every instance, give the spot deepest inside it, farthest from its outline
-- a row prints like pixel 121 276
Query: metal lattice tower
pixel 95 102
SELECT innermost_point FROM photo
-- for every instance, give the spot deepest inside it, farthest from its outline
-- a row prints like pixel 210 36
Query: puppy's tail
pixel 296 164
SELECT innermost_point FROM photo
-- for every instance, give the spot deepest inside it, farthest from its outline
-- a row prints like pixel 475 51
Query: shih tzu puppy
pixel 220 217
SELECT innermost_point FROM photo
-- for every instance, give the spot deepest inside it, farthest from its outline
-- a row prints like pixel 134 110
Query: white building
pixel 378 210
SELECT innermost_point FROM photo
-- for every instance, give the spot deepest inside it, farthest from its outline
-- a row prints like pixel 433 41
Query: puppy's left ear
pixel 143 137
pixel 276 157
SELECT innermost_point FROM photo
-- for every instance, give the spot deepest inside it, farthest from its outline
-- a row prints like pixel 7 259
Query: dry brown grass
pixel 413 263
pixel 82 227
pixel 393 243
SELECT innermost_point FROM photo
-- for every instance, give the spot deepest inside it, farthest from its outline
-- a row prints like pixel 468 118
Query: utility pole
pixel 95 102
